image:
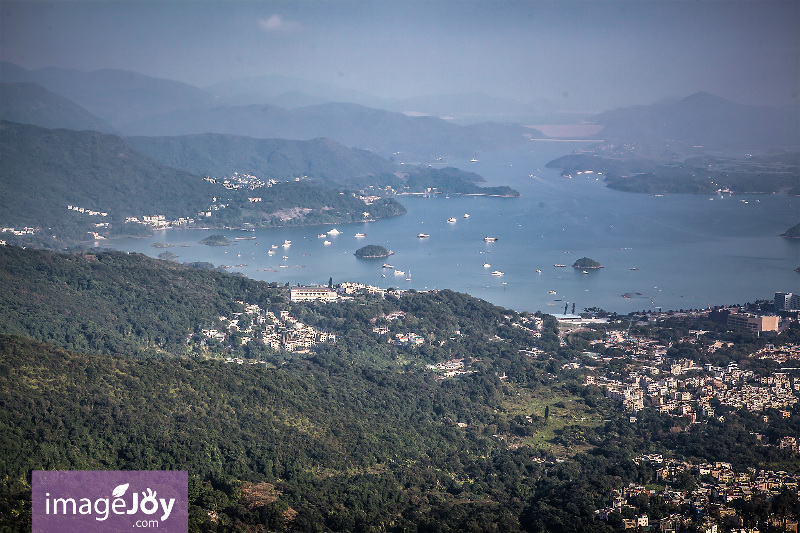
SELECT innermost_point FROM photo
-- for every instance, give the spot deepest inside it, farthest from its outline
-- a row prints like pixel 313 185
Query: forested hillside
pixel 50 179
pixel 212 154
pixel 45 170
pixel 360 434
pixel 30 103
pixel 701 174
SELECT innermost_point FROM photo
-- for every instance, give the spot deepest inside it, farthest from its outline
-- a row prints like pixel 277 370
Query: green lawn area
pixel 565 410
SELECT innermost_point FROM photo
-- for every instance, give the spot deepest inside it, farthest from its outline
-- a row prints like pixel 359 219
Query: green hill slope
pixel 29 103
pixel 42 171
pixel 360 434
pixel 222 155
pixel 339 438
pixel 116 96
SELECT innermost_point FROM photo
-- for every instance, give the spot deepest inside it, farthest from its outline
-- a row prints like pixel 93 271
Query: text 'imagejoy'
pixel 66 501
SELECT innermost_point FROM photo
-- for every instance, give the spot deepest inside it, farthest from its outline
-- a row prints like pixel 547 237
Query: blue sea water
pixel 688 251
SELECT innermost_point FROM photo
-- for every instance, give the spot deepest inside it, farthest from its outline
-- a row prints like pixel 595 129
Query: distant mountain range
pixel 286 108
pixel 286 92
pixel 115 96
pixel 134 104
pixel 704 120
pixel 387 133
pixel 31 103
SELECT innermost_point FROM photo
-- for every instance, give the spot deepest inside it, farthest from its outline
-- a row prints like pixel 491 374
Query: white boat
pixel 322 235
pixel 387 265
pixel 423 235
pixel 271 252
pixel 486 265
pixel 326 243
pixel 490 239
pixel 466 215
pixel 585 271
pixel 560 266
pixel 497 273
pixel 551 292
pixel 399 273
pixel 360 235
pixel 287 243
pixel 473 160
pixel 334 231
pixel 451 220
pixel 274 246
pixel 538 270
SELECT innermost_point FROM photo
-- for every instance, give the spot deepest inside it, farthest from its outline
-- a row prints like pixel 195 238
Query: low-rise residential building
pixel 306 294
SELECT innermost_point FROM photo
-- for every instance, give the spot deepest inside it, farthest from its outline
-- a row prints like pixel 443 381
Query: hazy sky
pixel 595 55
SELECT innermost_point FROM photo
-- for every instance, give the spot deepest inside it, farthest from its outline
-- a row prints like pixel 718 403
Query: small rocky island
pixel 792 233
pixel 372 251
pixel 586 263
pixel 167 256
pixel 216 240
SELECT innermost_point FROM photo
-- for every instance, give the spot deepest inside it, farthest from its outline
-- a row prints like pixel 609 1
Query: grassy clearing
pixel 564 409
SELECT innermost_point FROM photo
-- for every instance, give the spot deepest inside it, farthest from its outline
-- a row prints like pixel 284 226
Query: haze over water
pixel 690 251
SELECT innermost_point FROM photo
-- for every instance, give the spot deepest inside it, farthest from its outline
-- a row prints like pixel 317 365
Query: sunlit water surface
pixel 668 252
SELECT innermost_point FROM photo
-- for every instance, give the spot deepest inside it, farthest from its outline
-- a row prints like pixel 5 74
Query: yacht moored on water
pixel 423 235
pixel 490 239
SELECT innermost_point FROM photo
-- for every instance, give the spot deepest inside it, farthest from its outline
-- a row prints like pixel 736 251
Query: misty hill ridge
pixel 703 119
pixel 30 103
pixel 44 170
pixel 384 132
pixel 286 92
pixel 116 96
pixel 220 155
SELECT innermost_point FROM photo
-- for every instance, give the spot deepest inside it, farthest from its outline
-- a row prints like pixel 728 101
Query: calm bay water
pixel 688 251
